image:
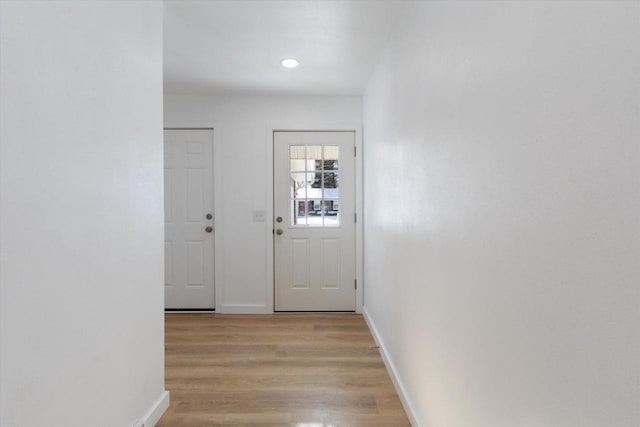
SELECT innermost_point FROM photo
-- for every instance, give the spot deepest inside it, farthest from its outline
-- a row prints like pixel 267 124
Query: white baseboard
pixel 189 312
pixel 393 373
pixel 152 417
pixel 243 309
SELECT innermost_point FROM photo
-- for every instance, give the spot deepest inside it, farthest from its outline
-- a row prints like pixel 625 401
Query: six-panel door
pixel 189 242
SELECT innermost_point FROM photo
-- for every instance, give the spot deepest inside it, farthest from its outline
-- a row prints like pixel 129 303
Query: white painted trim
pixel 152 416
pixel 359 173
pixel 360 222
pixel 189 312
pixel 244 309
pixel 269 220
pixel 218 174
pixel 393 372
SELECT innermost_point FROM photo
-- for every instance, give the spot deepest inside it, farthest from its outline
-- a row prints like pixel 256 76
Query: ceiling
pixel 235 46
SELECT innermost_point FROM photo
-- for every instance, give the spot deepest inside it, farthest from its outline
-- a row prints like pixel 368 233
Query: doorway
pixel 314 221
pixel 189 220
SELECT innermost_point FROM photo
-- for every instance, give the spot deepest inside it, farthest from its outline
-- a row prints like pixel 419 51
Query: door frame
pixel 217 197
pixel 269 220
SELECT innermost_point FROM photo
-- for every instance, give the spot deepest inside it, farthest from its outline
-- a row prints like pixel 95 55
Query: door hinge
pixel 355 284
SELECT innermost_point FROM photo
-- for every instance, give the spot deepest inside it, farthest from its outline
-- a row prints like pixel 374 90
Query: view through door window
pixel 314 185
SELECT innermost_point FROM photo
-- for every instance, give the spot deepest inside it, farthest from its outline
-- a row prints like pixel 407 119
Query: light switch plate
pixel 258 216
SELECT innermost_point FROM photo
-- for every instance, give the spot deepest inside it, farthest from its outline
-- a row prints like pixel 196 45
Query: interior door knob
pixel 279 231
pixel 209 229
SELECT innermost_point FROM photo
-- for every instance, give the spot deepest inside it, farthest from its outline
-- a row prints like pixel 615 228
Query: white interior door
pixel 314 213
pixel 188 213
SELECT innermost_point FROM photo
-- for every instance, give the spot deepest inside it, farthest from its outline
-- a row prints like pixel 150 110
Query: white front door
pixel 188 216
pixel 314 228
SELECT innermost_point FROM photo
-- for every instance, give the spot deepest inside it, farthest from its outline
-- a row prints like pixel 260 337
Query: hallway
pixel 451 188
pixel 311 370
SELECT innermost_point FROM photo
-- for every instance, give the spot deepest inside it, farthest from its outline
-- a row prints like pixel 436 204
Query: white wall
pixel 242 124
pixel 502 200
pixel 81 213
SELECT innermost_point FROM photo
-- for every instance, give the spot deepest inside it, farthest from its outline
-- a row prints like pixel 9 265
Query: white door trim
pixel 218 252
pixel 310 127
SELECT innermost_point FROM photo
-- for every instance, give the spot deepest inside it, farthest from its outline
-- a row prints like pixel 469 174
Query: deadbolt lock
pixel 279 219
pixel 209 216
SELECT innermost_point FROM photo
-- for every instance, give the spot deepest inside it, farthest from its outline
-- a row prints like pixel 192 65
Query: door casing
pixel 217 197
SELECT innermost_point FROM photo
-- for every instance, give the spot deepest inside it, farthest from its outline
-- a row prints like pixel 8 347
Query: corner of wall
pixel 156 411
pixel 393 372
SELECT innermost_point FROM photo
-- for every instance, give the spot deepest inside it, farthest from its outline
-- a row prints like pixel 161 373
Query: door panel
pixel 188 183
pixel 314 208
pixel 330 263
pixel 300 263
pixel 195 194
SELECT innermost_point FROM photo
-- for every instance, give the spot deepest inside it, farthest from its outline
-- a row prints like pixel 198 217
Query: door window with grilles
pixel 314 185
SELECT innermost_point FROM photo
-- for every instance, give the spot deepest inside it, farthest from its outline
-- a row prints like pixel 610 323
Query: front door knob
pixel 209 229
pixel 279 231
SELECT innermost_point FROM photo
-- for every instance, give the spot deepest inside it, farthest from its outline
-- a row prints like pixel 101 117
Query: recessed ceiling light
pixel 289 63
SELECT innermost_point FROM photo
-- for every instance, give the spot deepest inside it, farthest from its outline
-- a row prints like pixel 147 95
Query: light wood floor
pixel 302 370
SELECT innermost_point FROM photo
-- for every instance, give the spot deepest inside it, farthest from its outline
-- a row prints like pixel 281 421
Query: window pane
pixel 331 185
pixel 314 218
pixel 298 212
pixel 331 210
pixel 314 157
pixel 314 207
pixel 299 184
pixel 297 156
pixel 331 157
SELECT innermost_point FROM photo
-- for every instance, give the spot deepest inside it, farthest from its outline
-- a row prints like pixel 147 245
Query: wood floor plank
pixel 302 370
